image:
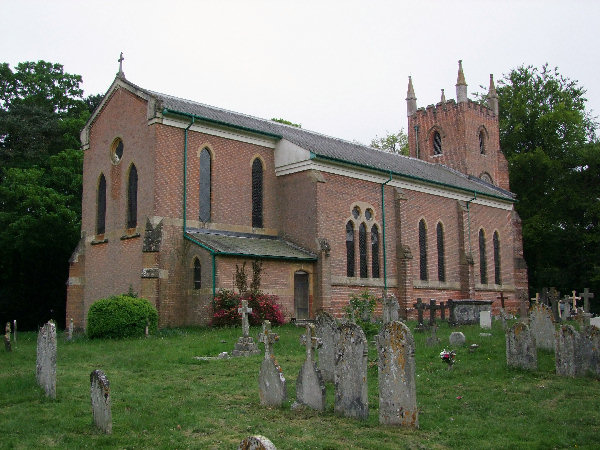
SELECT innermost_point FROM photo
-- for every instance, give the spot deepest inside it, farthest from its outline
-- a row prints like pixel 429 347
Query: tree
pixel 393 143
pixel 42 110
pixel 549 140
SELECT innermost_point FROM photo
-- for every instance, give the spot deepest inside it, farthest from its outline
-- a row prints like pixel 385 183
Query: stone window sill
pixel 99 239
pixel 131 234
pixel 362 282
pixel 444 285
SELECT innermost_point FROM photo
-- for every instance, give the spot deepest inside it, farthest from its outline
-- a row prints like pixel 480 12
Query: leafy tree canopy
pixel 392 142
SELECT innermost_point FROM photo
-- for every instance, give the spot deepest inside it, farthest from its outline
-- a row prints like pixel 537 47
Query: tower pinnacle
pixel 411 99
pixel 492 96
pixel 461 85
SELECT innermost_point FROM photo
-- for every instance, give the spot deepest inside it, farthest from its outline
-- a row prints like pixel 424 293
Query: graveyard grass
pixel 164 398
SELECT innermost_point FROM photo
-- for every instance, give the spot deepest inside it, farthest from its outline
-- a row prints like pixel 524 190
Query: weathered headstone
pixel 46 359
pixel 420 306
pixel 326 328
pixel 567 352
pixel 390 308
pixel 520 347
pixel 245 346
pixel 542 326
pixel 457 338
pixel 271 382
pixel 256 443
pixel 523 305
pixel 595 322
pixel 565 308
pixel 433 340
pixel 503 317
pixel 15 328
pixel 590 351
pixel 70 332
pixel 586 296
pixel 466 311
pixel 350 376
pixel 101 404
pixel 397 386
pixel 7 345
pixel 310 388
pixel 553 297
pixel 485 319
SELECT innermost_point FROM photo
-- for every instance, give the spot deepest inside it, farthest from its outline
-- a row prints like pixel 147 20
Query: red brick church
pixel 177 193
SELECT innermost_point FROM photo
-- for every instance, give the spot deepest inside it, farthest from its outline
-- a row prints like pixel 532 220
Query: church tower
pixel 460 134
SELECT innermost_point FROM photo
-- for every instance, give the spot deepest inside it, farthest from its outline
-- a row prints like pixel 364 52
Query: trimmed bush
pixel 264 307
pixel 121 316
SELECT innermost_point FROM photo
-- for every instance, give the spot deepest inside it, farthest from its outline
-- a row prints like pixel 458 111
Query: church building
pixel 177 193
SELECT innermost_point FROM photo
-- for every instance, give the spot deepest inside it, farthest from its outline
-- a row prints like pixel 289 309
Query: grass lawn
pixel 164 398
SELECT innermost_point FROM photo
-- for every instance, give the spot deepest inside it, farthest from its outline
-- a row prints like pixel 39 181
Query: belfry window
pixel 375 252
pixel 482 258
pixel 349 249
pixel 362 248
pixel 422 251
pixel 101 205
pixel 482 142
pixel 497 275
pixel 205 185
pixel 441 251
pixel 132 189
pixel 437 143
pixel 257 194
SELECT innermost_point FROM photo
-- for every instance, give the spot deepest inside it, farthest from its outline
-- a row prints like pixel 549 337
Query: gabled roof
pixel 327 148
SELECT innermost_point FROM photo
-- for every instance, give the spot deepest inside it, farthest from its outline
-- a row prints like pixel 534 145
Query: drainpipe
pixel 469 222
pixel 417 141
pixel 383 220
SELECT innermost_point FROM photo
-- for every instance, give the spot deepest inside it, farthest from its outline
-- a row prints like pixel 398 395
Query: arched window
pixel 374 252
pixel 349 249
pixel 482 258
pixel 440 252
pixel 205 183
pixel 101 205
pixel 437 143
pixel 197 274
pixel 422 250
pixel 497 276
pixel 132 189
pixel 257 194
pixel 482 142
pixel 362 248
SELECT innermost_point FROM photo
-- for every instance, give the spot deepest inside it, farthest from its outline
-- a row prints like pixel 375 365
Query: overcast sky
pixel 337 67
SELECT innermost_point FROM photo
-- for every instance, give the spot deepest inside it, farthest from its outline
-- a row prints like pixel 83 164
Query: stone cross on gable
pixel 311 341
pixel 268 338
pixel 244 311
pixel 575 298
pixel 121 74
pixel 586 296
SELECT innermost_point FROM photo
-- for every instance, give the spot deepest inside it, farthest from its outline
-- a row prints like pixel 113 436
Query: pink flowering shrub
pixel 264 307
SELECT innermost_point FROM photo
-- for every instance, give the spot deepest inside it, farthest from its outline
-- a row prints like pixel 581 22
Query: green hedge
pixel 121 316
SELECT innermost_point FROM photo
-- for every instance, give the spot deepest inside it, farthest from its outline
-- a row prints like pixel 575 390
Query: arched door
pixel 301 294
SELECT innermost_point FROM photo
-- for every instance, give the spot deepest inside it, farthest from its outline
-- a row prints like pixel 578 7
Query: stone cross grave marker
pixel 390 308
pixel 523 305
pixel 485 319
pixel 310 388
pixel 397 383
pixel 326 329
pixel 521 350
pixel 574 298
pixel 565 306
pixel 101 404
pixel 586 296
pixel 46 359
pixel 350 376
pixel 432 311
pixel 271 382
pixel 501 298
pixel 245 346
pixel 542 326
pixel 536 299
pixel 420 306
pixel 257 442
pixel 553 298
pixel 7 345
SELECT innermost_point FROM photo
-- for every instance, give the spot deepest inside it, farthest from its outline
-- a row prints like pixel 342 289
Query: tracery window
pixel 482 258
pixel 497 273
pixel 437 143
pixel 132 189
pixel 101 206
pixel 257 194
pixel 482 142
pixel 349 249
pixel 205 186
pixel 441 252
pixel 197 274
pixel 362 248
pixel 375 252
pixel 422 250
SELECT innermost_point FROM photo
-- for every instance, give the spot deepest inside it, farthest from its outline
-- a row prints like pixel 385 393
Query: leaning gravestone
pixel 45 366
pixel 350 376
pixel 485 319
pixel 271 382
pixel 390 308
pixel 245 346
pixel 567 351
pixel 457 338
pixel 397 388
pixel 542 326
pixel 326 328
pixel 520 347
pixel 256 443
pixel 100 395
pixel 310 388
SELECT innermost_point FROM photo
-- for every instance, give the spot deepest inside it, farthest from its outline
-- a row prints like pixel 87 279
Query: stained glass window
pixel 437 143
pixel 362 247
pixel 422 250
pixel 257 194
pixel 375 252
pixel 482 258
pixel 132 189
pixel 350 249
pixel 205 185
pixel 441 252
pixel 497 273
pixel 101 204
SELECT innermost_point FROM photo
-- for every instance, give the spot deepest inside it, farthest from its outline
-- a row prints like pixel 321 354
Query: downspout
pixel 185 236
pixel 469 223
pixel 383 220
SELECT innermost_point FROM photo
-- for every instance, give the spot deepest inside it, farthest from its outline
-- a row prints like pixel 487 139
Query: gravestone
pixel 523 305
pixel 433 340
pixel 466 312
pixel 245 346
pixel 420 306
pixel 7 345
pixel 350 376
pixel 590 351
pixel 574 299
pixel 542 326
pixel 390 308
pixel 256 443
pixel 310 388
pixel 586 296
pixel 553 297
pixel 271 382
pixel 397 387
pixel 485 319
pixel 504 317
pixel 46 359
pixel 70 333
pixel 520 347
pixel 595 322
pixel 101 404
pixel 432 311
pixel 15 328
pixel 326 328
pixel 457 339
pixel 578 353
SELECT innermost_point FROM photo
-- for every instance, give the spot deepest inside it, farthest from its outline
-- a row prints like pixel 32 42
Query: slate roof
pixel 333 149
pixel 249 245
